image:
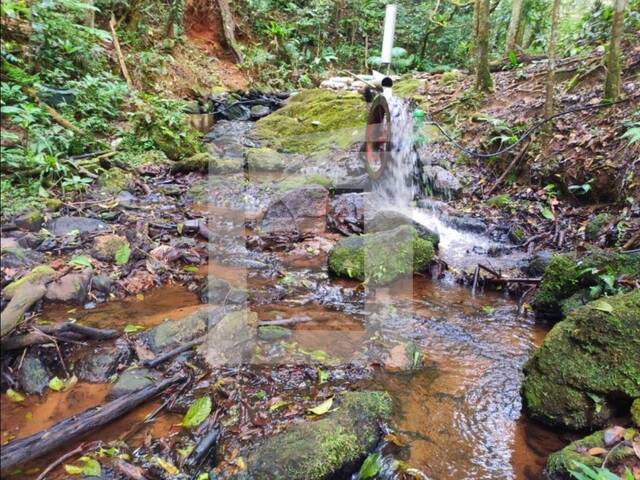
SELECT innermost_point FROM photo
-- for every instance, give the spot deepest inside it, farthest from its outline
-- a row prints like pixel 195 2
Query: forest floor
pixel 137 253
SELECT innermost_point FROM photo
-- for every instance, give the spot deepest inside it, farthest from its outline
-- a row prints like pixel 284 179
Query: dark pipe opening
pixel 387 82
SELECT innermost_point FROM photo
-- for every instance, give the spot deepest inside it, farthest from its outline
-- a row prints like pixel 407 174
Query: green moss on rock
pixel 566 275
pixel 381 257
pixel 586 364
pixel 38 274
pixel 315 120
pixel 106 247
pixel 265 159
pixel 561 463
pixel 115 180
pixel 635 412
pixel 330 447
pixel 293 183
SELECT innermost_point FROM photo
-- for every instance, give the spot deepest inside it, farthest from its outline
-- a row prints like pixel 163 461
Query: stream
pixel 459 414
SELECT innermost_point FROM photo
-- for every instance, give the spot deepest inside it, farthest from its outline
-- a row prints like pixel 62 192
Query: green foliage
pixel 160 124
pixel 584 472
pixel 197 413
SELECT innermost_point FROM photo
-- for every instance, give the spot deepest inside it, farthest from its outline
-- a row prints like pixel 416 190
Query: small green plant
pixel 500 201
pixel 632 133
pixel 584 472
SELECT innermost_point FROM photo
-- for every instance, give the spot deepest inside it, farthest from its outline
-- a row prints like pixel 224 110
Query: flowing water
pixel 459 416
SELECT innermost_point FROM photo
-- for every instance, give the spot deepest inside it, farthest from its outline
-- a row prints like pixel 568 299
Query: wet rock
pixel 231 340
pixel 538 263
pixel 467 224
pixel 271 333
pixel 65 225
pixel 172 333
pixel 441 182
pixel 567 274
pixel 126 199
pixel 299 211
pixel 390 219
pixel 381 257
pixel 265 159
pixel 587 364
pixel 170 189
pixel 332 447
pixel 8 243
pixel 102 283
pixel 34 375
pixel 115 180
pixel 100 365
pixel 71 288
pixel 354 184
pixel 18 257
pixel 200 162
pixel 105 247
pixel 403 357
pixel 38 275
pixel 31 220
pixel 259 111
pixel 133 380
pixel 219 291
pixel 32 240
pixel 591 451
pixel 346 213
pixel 635 412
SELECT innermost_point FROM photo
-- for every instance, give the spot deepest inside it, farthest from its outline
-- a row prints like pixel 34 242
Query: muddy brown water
pixel 459 416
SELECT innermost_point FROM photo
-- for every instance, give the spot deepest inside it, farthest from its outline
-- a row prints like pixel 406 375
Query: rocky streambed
pixel 297 329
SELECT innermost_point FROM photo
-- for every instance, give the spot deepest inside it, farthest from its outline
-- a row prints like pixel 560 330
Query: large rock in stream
pixel 331 447
pixel 299 211
pixel 173 333
pixel 231 340
pixel 390 219
pixel 569 282
pixel 588 365
pixel 65 225
pixel 381 257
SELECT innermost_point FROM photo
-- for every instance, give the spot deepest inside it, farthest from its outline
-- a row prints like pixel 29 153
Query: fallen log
pixel 73 428
pixel 154 362
pixel 23 299
pixel 63 332
pixel 206 447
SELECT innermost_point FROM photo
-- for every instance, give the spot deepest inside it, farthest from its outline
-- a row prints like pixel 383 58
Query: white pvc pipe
pixel 389 32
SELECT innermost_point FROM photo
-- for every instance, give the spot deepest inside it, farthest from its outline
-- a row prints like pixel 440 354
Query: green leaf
pixel 72 470
pixel 323 408
pixel 277 405
pixel 131 328
pixel 261 394
pixel 91 467
pixel 14 396
pixel 80 261
pixel 197 413
pixel 56 384
pixel 122 254
pixel 602 306
pixel 609 280
pixel 323 375
pixel 548 214
pixel 203 476
pixel 190 268
pixel 370 467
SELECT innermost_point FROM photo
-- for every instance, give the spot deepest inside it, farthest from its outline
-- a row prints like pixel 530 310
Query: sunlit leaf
pixel 602 306
pixel 80 261
pixel 322 408
pixel 122 254
pixel 131 328
pixel 73 469
pixel 56 384
pixel 14 396
pixel 370 467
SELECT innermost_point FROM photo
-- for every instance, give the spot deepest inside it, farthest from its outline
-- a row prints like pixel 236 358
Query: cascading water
pixel 399 186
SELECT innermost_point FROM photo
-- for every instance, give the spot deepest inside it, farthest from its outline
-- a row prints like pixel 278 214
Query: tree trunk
pixel 483 75
pixel 514 25
pixel 612 82
pixel 229 27
pixel 551 75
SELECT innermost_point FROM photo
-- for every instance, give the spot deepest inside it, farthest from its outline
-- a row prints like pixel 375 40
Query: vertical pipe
pixel 389 31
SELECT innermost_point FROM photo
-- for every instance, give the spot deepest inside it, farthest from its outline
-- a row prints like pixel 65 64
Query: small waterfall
pixel 399 186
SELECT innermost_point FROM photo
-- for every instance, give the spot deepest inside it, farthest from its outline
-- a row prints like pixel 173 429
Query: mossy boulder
pixel 381 257
pixel 331 447
pixel 115 180
pixel 39 274
pixel 587 364
pixel 590 451
pixel 567 275
pixel 206 162
pixel 109 247
pixel 315 120
pixel 177 146
pixel 265 159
